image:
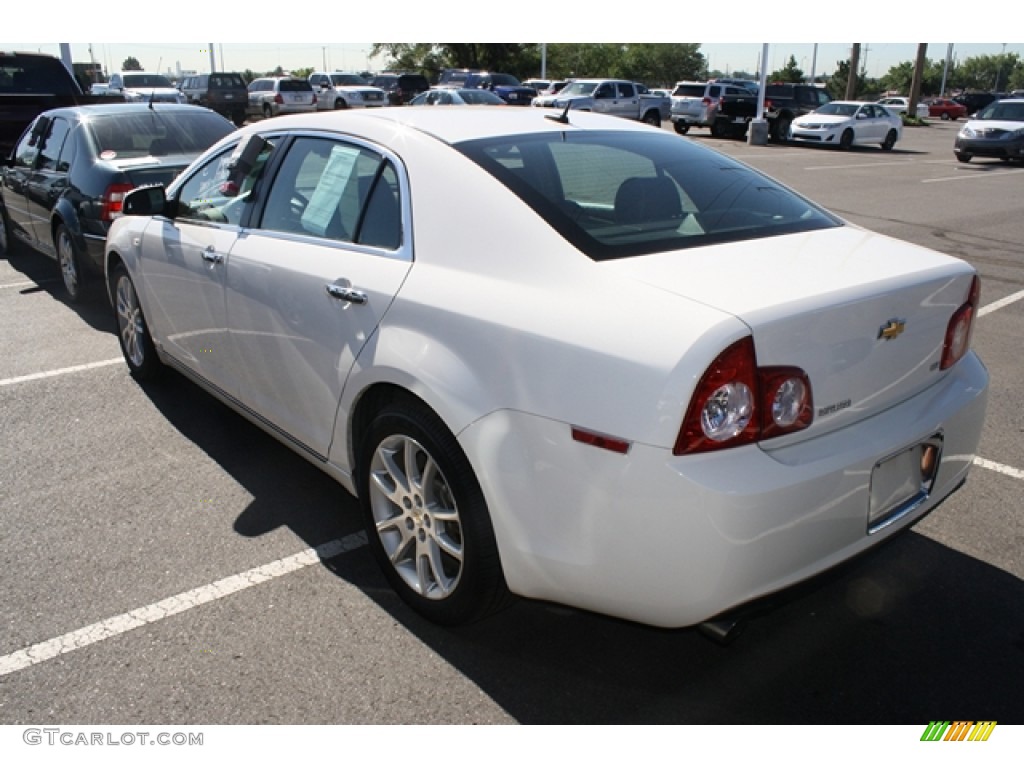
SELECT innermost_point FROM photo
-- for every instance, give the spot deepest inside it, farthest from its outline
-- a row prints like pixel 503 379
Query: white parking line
pixel 60 371
pixel 1003 302
pixel 26 284
pixel 150 614
pixel 1013 472
pixel 972 176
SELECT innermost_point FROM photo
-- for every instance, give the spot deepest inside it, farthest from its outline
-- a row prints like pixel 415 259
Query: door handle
pixel 346 294
pixel 210 255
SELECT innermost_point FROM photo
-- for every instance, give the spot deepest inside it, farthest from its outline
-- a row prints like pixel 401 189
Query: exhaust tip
pixel 723 631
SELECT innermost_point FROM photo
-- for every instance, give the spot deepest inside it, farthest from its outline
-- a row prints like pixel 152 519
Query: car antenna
pixel 562 118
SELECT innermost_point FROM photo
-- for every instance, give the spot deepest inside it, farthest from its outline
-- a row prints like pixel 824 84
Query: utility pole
pixel 851 81
pixel 945 68
pixel 915 83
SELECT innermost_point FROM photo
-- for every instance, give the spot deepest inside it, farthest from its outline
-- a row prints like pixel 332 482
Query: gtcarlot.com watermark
pixel 53 737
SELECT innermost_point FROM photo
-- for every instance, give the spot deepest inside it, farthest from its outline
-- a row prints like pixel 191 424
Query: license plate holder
pixel 902 482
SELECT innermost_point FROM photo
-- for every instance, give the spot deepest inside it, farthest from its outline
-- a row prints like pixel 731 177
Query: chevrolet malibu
pixel 659 387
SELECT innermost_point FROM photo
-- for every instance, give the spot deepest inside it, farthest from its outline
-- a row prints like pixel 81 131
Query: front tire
pixel 426 519
pixel 846 140
pixel 340 104
pixel 964 157
pixel 132 330
pixel 267 111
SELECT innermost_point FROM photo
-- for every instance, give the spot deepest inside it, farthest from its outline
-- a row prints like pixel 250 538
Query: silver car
pixel 273 96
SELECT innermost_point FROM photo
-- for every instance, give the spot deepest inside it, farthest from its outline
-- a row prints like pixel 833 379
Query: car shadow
pixel 911 633
pixel 94 307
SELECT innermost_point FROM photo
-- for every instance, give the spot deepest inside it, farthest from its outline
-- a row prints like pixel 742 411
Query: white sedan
pixel 846 123
pixel 571 358
pixel 901 106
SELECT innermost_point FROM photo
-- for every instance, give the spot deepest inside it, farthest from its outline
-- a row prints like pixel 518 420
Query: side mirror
pixel 145 201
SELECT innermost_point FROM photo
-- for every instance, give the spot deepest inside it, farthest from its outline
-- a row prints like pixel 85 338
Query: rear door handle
pixel 346 294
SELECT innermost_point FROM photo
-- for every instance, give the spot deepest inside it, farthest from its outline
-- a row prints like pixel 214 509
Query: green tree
pixel 131 64
pixel 303 72
pixel 836 84
pixel 790 73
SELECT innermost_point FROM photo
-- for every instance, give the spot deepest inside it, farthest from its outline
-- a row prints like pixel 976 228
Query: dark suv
pixel 975 101
pixel 223 92
pixel 401 88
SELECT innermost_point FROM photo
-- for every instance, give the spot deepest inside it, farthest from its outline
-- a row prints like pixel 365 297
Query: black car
pixel 64 182
pixel 401 88
pixel 506 86
pixel 975 100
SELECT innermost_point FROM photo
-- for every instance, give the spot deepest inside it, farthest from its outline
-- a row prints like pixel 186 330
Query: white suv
pixel 696 103
pixel 143 86
pixel 273 96
pixel 345 90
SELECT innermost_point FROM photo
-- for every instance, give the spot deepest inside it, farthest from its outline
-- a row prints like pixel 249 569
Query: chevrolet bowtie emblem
pixel 892 329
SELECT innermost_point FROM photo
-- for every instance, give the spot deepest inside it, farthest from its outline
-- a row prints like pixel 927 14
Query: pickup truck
pixel 621 98
pixel 30 84
pixel 783 103
pixel 695 103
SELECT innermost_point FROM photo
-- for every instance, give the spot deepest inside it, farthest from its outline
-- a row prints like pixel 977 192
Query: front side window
pixel 617 194
pixel 331 189
pixel 210 195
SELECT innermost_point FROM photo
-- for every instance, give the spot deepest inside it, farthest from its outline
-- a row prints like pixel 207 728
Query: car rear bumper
pixel 673 541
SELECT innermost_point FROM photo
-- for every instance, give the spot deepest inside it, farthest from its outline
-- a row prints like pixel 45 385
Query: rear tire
pixel 780 129
pixel 681 128
pixel 426 519
pixel 267 111
pixel 653 118
pixel 964 157
pixel 890 140
pixel 5 233
pixel 70 264
pixel 340 104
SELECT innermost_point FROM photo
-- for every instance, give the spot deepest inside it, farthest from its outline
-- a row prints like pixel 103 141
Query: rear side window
pixel 331 189
pixel 617 194
pixel 692 91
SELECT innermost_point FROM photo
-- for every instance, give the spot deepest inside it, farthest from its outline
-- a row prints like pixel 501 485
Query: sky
pixel 731 42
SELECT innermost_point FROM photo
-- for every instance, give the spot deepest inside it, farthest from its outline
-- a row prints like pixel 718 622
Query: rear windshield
pixel 689 90
pixel 146 81
pixel 295 85
pixel 156 132
pixel 227 81
pixel 614 194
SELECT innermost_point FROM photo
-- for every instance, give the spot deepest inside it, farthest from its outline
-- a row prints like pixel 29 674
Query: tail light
pixel 278 98
pixel 706 101
pixel 737 403
pixel 112 200
pixel 961 326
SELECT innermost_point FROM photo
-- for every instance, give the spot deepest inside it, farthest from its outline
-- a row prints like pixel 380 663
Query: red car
pixel 947 109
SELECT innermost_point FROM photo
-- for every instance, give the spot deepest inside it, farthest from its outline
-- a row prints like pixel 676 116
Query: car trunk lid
pixel 865 316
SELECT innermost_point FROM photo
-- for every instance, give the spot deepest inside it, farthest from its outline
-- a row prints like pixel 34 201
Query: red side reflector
pixel 596 439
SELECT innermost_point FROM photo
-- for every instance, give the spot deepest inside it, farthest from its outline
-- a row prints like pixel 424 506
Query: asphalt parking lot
pixel 166 562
